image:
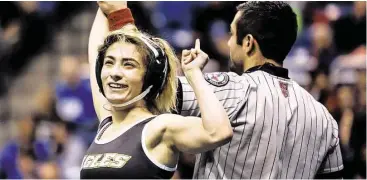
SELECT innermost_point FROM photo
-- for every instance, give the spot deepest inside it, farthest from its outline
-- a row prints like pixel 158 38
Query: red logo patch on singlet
pixel 284 88
pixel 218 79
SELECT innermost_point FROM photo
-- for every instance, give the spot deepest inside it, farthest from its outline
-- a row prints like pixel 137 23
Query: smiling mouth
pixel 117 86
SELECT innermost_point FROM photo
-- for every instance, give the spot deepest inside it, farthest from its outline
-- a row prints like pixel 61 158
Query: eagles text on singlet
pixel 107 160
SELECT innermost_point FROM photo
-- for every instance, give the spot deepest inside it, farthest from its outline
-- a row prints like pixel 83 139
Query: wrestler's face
pixel 236 51
pixel 122 73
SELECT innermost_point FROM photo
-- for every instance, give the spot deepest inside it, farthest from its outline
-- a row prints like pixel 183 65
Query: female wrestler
pixel 133 79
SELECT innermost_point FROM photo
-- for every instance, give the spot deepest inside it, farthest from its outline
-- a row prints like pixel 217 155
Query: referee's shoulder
pixel 307 96
pixel 233 76
pixel 224 79
pixel 242 79
pixel 321 108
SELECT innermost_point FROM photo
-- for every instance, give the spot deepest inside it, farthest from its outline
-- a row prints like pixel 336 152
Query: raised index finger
pixel 197 45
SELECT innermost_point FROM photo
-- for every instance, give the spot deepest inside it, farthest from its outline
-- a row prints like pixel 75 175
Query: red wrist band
pixel 120 18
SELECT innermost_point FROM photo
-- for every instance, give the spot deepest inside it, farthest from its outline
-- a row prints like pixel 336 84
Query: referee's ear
pixel 179 98
pixel 248 44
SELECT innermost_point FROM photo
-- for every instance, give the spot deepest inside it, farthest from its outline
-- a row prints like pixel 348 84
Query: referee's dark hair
pixel 273 24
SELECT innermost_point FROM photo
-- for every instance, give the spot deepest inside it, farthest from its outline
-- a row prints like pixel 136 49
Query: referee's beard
pixel 236 68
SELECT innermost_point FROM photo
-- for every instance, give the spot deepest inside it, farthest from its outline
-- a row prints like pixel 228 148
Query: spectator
pixel 211 24
pixel 21 156
pixel 73 100
pixel 322 45
pixel 74 105
pixel 350 31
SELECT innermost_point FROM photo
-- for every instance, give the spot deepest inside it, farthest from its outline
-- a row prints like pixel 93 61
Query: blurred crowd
pixel 328 59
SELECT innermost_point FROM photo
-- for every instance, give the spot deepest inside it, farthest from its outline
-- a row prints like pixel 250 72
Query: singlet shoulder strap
pixel 104 122
pixel 148 119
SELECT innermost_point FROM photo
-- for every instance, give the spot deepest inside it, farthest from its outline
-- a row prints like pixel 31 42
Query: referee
pixel 280 130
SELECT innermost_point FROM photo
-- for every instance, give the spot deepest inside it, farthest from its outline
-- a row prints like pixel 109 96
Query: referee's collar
pixel 271 69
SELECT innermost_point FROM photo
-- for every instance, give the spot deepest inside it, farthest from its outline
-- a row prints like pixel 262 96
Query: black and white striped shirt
pixel 280 130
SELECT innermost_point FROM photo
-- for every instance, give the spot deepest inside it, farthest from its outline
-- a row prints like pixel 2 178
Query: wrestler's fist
pixel 194 59
pixel 108 7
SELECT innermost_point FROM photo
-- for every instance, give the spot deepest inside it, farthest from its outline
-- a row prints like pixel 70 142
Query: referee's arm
pixel 330 174
pixel 332 165
pixel 333 175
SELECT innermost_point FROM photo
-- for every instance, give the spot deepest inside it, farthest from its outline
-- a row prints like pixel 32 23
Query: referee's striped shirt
pixel 280 130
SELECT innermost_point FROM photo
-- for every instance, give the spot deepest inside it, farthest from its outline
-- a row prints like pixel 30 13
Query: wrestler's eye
pixel 129 64
pixel 108 62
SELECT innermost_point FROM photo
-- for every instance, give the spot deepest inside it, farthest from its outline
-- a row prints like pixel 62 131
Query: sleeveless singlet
pixel 124 157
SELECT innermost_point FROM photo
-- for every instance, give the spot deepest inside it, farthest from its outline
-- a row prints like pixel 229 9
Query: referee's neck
pixel 272 62
pixel 258 62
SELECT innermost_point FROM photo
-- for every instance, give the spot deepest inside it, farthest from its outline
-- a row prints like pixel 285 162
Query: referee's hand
pixel 108 7
pixel 194 59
